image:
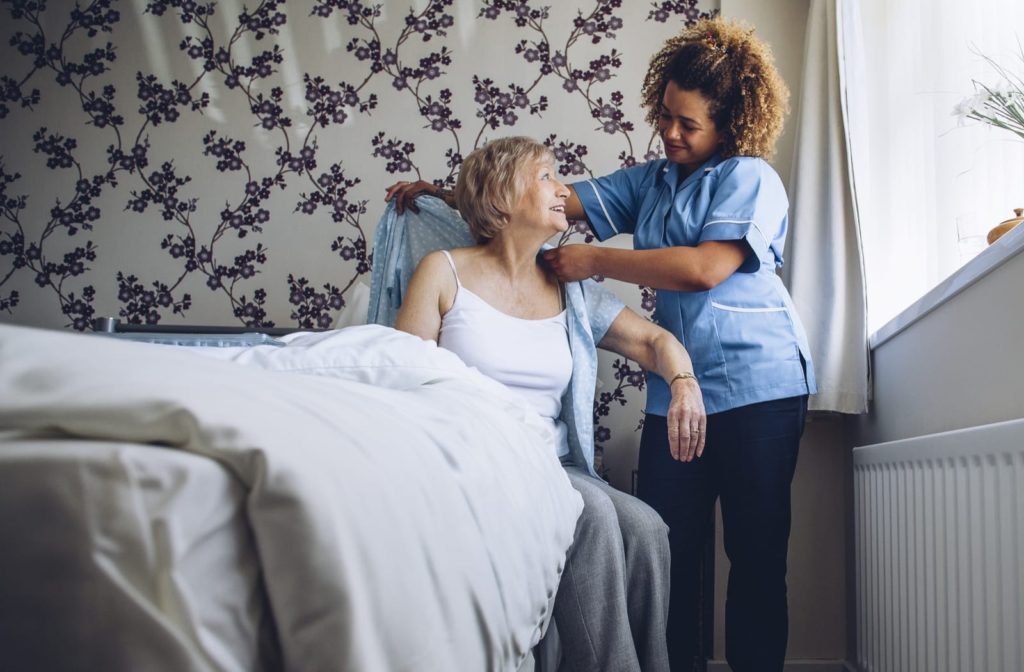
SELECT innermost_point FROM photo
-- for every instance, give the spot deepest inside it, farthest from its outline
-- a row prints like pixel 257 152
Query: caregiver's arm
pixel 680 268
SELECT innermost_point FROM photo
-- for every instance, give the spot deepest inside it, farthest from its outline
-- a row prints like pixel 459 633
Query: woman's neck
pixel 508 276
pixel 513 256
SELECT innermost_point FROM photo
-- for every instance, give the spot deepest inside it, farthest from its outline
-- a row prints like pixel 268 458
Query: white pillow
pixel 354 312
pixel 369 353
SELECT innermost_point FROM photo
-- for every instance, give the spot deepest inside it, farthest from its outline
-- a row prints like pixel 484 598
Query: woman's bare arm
pixel 656 349
pixel 425 301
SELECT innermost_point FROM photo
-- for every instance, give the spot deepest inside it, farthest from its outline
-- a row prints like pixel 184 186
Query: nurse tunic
pixel 744 336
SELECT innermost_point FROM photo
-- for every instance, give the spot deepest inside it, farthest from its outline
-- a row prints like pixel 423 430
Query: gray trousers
pixel 611 609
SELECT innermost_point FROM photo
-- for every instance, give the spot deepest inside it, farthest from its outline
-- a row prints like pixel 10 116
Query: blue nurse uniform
pixel 751 358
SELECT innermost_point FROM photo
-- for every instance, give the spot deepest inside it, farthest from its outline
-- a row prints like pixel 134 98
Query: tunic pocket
pixel 759 343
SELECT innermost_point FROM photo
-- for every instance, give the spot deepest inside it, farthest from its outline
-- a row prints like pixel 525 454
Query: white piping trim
pixel 738 309
pixel 729 221
pixel 600 202
pixel 767 243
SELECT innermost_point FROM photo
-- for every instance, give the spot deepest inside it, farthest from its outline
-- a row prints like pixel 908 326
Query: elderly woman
pixel 501 310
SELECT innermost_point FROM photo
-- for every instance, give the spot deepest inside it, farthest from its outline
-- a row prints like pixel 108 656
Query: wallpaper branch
pixel 217 162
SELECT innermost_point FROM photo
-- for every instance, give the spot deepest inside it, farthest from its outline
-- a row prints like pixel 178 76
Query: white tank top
pixel 531 357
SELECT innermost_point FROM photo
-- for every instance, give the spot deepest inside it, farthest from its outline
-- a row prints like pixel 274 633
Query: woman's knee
pixel 645 522
pixel 599 516
pixel 645 533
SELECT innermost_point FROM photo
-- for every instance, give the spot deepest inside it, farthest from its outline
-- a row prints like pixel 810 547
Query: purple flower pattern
pixel 55 50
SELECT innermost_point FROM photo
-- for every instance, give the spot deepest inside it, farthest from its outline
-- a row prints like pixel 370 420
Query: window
pixel 933 189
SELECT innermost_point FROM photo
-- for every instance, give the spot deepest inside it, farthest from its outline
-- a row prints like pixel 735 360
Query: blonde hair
pixel 732 69
pixel 492 180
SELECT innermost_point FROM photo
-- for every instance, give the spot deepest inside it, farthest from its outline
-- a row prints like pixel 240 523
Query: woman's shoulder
pixel 637 173
pixel 647 170
pixel 746 167
pixel 455 253
pixel 751 172
pixel 431 265
pixel 467 262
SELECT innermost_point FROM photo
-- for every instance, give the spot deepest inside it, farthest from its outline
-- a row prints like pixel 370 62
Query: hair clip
pixel 713 44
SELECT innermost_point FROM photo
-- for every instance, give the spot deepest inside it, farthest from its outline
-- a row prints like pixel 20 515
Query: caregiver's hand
pixel 572 262
pixel 404 194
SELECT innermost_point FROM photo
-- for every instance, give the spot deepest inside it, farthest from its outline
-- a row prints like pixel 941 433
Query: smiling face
pixel 542 197
pixel 686 129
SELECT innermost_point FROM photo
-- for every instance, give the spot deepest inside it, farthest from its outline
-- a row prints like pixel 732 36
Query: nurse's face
pixel 686 128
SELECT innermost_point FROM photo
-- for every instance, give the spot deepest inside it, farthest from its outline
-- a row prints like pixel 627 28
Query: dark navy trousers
pixel 749 460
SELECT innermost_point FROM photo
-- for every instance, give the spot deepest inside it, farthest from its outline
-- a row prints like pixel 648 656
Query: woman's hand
pixel 687 420
pixel 405 193
pixel 572 262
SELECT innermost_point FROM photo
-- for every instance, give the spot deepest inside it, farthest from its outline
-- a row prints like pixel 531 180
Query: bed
pixel 356 499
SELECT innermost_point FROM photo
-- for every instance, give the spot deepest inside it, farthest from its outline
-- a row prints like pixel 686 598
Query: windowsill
pixel 1008 246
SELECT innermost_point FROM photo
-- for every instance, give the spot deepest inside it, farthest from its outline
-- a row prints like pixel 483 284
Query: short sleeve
pixel 749 203
pixel 612 202
pixel 603 307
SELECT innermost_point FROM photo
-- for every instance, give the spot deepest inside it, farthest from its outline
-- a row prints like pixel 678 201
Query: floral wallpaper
pixel 224 162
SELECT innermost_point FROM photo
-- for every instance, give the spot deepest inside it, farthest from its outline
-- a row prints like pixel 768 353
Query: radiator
pixel 939 551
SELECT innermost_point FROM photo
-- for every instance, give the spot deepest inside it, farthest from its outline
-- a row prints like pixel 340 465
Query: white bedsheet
pixel 408 513
pixel 127 557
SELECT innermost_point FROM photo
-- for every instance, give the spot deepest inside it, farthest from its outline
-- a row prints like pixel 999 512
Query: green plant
pixel 1000 105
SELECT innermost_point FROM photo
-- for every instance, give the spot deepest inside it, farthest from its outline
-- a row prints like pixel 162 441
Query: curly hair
pixel 732 69
pixel 491 181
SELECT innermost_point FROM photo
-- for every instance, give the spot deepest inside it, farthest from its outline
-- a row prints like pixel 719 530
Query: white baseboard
pixel 795 666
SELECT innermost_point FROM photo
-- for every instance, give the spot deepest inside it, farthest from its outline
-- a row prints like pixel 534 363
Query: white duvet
pixel 408 513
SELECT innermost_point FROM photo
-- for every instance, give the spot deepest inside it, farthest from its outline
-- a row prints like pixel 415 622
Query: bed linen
pixel 406 512
pixel 127 557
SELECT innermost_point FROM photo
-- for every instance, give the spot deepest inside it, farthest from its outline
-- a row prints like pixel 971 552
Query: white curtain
pixel 825 275
pixel 932 189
